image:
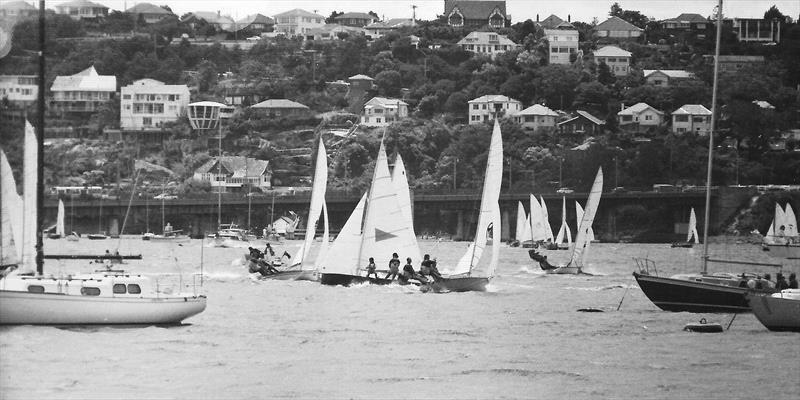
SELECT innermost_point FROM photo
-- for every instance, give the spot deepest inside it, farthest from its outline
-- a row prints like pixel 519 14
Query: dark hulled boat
pixel 465 284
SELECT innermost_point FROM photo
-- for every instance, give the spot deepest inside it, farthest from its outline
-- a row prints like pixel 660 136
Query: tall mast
pixel 40 147
pixel 711 138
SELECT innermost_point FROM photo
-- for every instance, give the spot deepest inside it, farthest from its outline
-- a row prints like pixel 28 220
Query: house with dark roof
pixel 582 124
pixel 617 28
pixel 554 22
pixel 235 173
pixel 256 24
pixel 149 12
pixel 82 9
pixel 665 77
pixel 17 9
pixel 380 28
pixel 476 13
pixel 686 22
pixel 222 23
pixel 691 118
pixel 281 108
pixel 355 19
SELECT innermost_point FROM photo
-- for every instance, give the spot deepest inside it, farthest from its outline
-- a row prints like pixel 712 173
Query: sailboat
pixel 387 229
pixel 548 231
pixel 103 297
pixel 538 231
pixel 579 217
pixel 522 237
pixel 582 242
pixel 782 239
pixel 168 234
pixel 703 291
pixel 564 236
pixel 778 312
pixel 691 232
pixel 475 268
pixel 59 226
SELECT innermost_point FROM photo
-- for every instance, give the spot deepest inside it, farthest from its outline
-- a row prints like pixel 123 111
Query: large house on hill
pixel 84 92
pixel 148 103
pixel 617 28
pixel 380 28
pixel 256 23
pixel 220 22
pixel 150 13
pixel 488 43
pixel 618 60
pixel 665 77
pixel 691 118
pixel 19 90
pixel 640 117
pixel 281 108
pixel 235 173
pixel 380 111
pixel 297 22
pixel 554 22
pixel 82 9
pixel 537 117
pixel 486 108
pixel 17 9
pixel 356 19
pixel 476 13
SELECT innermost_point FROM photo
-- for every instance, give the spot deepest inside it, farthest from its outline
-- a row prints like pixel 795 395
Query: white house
pixel 82 9
pixel 640 116
pixel 235 172
pixel 148 103
pixel 537 116
pixel 617 28
pixel 380 111
pixel 618 60
pixel 490 43
pixel 150 13
pixel 664 77
pixel 485 108
pixel 380 28
pixel 84 92
pixel 21 90
pixel 563 43
pixel 691 118
pixel 297 22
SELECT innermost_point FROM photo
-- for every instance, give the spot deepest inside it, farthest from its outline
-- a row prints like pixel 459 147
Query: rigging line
pixel 127 212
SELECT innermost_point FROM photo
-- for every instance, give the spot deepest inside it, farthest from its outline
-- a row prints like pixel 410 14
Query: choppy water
pixel 521 339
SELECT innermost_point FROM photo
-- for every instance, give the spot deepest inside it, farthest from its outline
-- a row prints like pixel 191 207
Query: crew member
pixel 394 267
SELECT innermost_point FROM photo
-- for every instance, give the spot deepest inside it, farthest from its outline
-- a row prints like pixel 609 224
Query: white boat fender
pixel 703 327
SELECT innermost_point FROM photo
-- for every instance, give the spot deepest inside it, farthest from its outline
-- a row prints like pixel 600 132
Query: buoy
pixel 703 327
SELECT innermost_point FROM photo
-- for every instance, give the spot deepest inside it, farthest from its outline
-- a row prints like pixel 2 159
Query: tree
pixel 389 83
pixel 604 74
pixel 773 13
pixel 207 76
pixel 332 18
pixel 634 17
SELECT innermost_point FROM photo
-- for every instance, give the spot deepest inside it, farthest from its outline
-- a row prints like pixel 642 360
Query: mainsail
pixel 579 217
pixel 30 223
pixel 582 236
pixel 317 202
pixel 564 233
pixel 537 220
pixel 548 231
pixel 523 232
pixel 10 204
pixel 693 228
pixel 342 256
pixel 400 181
pixel 790 220
pixel 60 219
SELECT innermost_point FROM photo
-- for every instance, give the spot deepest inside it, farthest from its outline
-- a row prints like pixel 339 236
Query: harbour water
pixel 524 338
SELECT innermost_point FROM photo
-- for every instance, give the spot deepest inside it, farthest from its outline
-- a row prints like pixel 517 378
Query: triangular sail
pixel 693 228
pixel 537 227
pixel 342 256
pixel 582 235
pixel 790 220
pixel 318 188
pixel 400 181
pixel 30 223
pixel 10 205
pixel 548 231
pixel 60 219
pixel 385 229
pixel 489 217
pixel 579 217
pixel 564 233
pixel 325 245
pixel 522 220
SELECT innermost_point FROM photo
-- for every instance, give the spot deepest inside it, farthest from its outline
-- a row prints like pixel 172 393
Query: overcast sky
pixel 520 10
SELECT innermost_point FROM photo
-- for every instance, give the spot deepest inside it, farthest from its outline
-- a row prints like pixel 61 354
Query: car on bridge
pixel 164 196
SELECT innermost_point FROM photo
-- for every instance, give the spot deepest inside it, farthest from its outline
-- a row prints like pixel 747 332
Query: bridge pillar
pixel 459 226
pixel 505 235
pixel 113 226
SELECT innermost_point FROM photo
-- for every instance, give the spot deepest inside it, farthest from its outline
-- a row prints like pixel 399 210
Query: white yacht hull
pixel 789 251
pixel 24 308
pixel 565 270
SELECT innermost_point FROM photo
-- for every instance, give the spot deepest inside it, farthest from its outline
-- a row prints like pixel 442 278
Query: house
pixel 380 28
pixel 486 43
pixel 84 92
pixel 148 103
pixel 281 108
pixel 691 118
pixel 221 23
pixel 380 111
pixel 617 28
pixel 554 22
pixel 687 22
pixel 582 124
pixel 476 13
pixel 618 60
pixel 82 9
pixel 297 22
pixel 563 44
pixel 17 9
pixel 640 117
pixel 332 32
pixel 149 12
pixel 485 108
pixel 733 64
pixel 664 77
pixel 235 173
pixel 757 30
pixel 356 19
pixel 536 117
pixel 19 90
pixel 255 24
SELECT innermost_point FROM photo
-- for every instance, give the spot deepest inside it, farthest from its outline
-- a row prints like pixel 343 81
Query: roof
pixel 88 80
pixel 298 13
pixel 538 109
pixel 17 5
pixel 637 108
pixel 237 166
pixel 333 28
pixel 255 19
pixel 554 22
pixel 493 98
pixel 80 3
pixel 391 23
pixel 687 17
pixel 356 15
pixel 692 109
pixel 475 9
pixel 483 38
pixel 152 86
pixel 147 8
pixel 611 51
pixel 360 77
pixel 590 117
pixel 616 24
pixel 764 104
pixel 385 102
pixel 672 73
pixel 223 21
pixel 561 32
pixel 279 103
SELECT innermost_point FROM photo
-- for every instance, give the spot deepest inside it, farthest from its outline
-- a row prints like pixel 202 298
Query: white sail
pixel 489 217
pixel 342 256
pixel 400 181
pixel 325 245
pixel 548 231
pixel 582 236
pixel 579 217
pixel 537 228
pixel 386 230
pixel 318 188
pixel 11 215
pixel 527 233
pixel 693 228
pixel 523 231
pixel 30 225
pixel 790 221
pixel 60 219
pixel 564 233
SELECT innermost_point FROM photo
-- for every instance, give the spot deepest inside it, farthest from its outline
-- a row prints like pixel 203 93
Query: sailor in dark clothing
pixel 542 260
pixel 255 254
pixel 792 281
pixel 268 250
pixel 408 272
pixel 428 267
pixel 780 282
pixel 394 267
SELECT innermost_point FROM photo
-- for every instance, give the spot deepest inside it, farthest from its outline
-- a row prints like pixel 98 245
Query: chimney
pixel 537 17
pixel 218 13
pixel 569 18
pixel 622 106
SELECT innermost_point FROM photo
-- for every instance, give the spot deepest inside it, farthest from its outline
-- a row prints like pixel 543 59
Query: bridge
pixel 451 214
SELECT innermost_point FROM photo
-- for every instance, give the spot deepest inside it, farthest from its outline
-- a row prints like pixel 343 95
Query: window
pixel 126 97
pixel 681 118
pixel 657 82
pixel 378 120
pixel 626 118
pixel 35 289
pixel 119 288
pixel 648 117
pixel 90 291
pixel 134 289
pixel 147 121
pixel 681 130
pixel 612 60
pixel 474 106
pixel 554 50
pixel 699 119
